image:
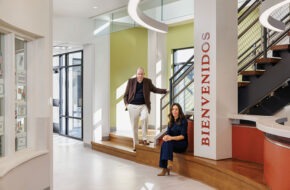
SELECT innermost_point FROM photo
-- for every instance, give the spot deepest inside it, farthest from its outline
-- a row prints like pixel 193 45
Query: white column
pixel 39 102
pixel 88 92
pixel 156 72
pixel 215 76
pixel 9 77
pixel 101 110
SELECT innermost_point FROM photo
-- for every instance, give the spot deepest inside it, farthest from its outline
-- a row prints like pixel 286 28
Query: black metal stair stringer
pixel 262 86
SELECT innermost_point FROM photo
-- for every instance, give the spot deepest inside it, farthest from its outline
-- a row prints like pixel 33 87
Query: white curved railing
pixel 138 16
pixel 267 8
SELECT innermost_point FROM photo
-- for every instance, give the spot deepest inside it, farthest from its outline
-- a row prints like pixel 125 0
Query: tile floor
pixel 80 168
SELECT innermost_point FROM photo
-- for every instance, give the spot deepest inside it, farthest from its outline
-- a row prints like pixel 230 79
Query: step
pixel 115 149
pixel 252 73
pixel 243 83
pixel 281 47
pixel 269 60
pixel 229 173
pixel 121 140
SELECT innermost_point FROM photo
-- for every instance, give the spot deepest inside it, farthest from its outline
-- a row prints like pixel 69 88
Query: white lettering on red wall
pixel 205 90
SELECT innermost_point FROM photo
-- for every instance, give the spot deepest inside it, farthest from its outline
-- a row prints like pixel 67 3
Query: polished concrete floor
pixel 80 168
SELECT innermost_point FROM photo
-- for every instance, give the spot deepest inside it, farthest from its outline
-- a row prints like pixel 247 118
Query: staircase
pixel 264 91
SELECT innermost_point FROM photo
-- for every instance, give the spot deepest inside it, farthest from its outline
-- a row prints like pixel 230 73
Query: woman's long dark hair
pixel 180 116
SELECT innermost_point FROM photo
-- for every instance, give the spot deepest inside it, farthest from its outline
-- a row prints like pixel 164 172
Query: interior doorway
pixel 68 94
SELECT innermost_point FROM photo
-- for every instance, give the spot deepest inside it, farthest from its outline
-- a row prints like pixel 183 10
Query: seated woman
pixel 175 139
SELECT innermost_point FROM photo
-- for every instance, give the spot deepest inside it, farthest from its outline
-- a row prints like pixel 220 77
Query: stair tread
pixel 281 47
pixel 243 83
pixel 116 146
pixel 268 60
pixel 256 72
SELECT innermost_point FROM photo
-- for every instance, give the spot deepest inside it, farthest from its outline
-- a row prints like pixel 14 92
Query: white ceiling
pixel 84 8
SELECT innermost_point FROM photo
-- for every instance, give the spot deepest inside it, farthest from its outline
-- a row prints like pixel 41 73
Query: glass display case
pixel 21 108
pixel 1 96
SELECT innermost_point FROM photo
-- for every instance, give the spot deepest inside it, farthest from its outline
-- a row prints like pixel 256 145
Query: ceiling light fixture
pixel 267 8
pixel 145 21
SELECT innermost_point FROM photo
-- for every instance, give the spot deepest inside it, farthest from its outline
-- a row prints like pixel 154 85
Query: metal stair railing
pixel 251 45
pixel 254 41
pixel 179 90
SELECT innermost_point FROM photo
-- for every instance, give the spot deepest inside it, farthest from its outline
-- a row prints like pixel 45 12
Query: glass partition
pixel 1 96
pixel 176 10
pixel 167 11
pixel 21 95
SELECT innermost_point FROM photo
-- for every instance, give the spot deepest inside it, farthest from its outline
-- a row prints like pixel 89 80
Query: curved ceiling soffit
pixel 267 8
pixel 139 17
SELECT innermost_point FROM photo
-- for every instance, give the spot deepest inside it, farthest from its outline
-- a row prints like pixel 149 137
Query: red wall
pixel 248 143
pixel 277 166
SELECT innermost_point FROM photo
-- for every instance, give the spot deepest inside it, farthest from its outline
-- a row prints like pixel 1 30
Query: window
pixel 183 86
pixel 180 57
pixel 21 95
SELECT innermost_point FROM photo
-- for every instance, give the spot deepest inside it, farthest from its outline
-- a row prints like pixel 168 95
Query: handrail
pixel 173 82
pixel 181 68
pixel 261 53
pixel 243 5
pixel 181 77
pixel 183 89
pixel 248 11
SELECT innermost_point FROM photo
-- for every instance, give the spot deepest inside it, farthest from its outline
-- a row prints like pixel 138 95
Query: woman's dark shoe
pixel 170 164
pixel 163 172
pixel 145 142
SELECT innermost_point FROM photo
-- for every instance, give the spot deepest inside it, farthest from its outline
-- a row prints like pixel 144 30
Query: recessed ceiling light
pixel 95 7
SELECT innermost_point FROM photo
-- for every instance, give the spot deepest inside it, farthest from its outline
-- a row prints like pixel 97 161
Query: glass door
pixel 69 104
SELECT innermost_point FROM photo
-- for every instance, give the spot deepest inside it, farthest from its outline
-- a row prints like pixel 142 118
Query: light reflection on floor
pixel 80 168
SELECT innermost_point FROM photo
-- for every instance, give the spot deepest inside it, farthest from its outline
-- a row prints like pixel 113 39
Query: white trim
pixel 267 124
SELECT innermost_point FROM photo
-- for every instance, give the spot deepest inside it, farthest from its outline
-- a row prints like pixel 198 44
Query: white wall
pixel 30 15
pixel 73 30
pixel 28 19
pixel 101 112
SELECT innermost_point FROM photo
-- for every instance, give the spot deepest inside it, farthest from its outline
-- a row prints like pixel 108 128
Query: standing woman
pixel 175 139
